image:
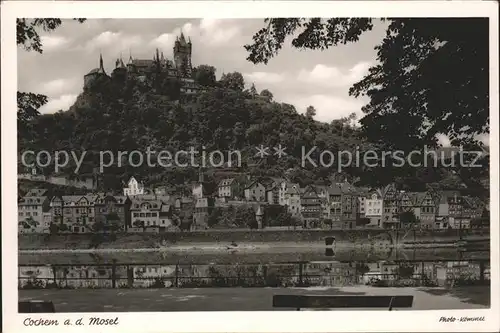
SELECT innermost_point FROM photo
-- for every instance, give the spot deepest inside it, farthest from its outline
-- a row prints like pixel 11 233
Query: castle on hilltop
pixel 180 67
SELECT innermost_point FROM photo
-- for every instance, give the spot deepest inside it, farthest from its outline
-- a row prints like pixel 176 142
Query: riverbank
pixel 218 240
pixel 251 257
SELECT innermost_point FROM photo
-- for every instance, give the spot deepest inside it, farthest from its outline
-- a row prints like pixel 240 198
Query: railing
pixel 199 276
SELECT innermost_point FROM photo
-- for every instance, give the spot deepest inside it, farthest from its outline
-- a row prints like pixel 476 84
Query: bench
pixel 330 301
pixel 36 307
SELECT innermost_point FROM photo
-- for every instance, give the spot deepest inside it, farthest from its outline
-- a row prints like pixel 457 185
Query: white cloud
pixel 358 71
pixel 113 41
pixel 51 43
pixel 104 39
pixel 264 77
pixel 209 24
pixel 56 104
pixel 217 31
pixel 328 107
pixel 208 33
pixel 324 75
pixel 164 41
pixel 57 87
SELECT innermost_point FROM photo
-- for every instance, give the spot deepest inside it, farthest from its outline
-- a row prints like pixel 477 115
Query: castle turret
pixel 120 70
pixel 130 64
pixel 95 73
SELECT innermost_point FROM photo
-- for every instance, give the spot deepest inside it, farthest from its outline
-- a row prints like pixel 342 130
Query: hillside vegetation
pixel 126 115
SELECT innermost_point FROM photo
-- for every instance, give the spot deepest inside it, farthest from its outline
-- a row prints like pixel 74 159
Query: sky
pixel 299 77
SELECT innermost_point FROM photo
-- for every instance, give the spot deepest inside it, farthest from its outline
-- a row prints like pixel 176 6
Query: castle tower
pixel 182 55
pixel 120 70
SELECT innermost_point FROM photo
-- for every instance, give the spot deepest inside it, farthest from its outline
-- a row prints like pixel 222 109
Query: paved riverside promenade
pixel 241 299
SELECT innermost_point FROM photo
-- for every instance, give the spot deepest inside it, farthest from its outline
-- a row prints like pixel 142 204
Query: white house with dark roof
pixel 227 188
pixel 133 188
pixel 145 213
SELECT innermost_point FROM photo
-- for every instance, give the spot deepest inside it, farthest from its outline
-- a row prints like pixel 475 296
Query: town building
pixel 283 191
pixel 202 209
pixel 292 201
pixel 73 213
pixel 349 208
pixel 113 212
pixel 255 191
pixel 259 217
pixel 31 211
pixel 310 204
pixel 390 213
pixel 335 204
pixel 228 188
pixel 374 208
pixel 145 214
pixel 426 202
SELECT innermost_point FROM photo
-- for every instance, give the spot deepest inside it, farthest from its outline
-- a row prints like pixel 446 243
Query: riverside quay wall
pixel 364 237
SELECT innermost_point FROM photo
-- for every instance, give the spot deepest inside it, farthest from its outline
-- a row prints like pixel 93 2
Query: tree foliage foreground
pixel 432 75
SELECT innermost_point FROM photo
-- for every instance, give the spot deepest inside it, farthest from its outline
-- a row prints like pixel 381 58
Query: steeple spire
pixel 130 56
pixel 121 61
pixel 101 65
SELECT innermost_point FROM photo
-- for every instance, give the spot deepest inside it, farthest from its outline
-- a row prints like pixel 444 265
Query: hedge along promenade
pixel 154 240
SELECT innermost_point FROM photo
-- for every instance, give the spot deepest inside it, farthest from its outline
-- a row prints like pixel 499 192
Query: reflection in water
pixel 286 274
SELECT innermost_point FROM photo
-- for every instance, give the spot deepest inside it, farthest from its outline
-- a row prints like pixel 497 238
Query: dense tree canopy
pixel 310 112
pixel 432 75
pixel 204 75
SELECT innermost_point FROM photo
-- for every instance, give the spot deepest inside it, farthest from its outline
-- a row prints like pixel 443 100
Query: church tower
pixel 182 55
